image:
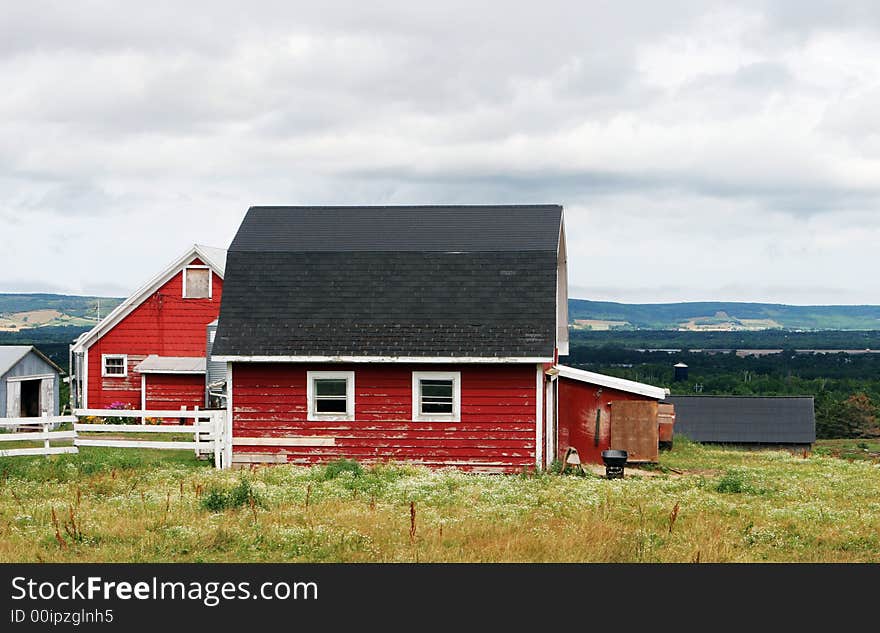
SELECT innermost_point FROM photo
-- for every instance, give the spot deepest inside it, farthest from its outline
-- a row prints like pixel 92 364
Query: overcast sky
pixel 702 150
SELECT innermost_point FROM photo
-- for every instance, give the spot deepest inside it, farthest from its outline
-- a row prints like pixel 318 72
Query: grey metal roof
pixel 154 364
pixel 392 281
pixel 11 354
pixel 400 228
pixel 745 419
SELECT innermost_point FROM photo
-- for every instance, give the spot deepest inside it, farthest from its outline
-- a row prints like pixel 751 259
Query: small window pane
pixel 330 387
pixel 436 407
pixel 197 282
pixel 114 366
pixel 330 405
pixel 436 396
pixel 439 388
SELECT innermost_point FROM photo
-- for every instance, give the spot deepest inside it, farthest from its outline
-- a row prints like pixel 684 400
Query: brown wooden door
pixel 634 429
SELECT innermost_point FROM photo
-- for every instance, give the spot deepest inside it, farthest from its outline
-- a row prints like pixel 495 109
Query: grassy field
pixel 699 504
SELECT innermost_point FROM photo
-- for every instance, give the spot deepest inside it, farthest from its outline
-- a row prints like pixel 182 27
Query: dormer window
pixel 197 282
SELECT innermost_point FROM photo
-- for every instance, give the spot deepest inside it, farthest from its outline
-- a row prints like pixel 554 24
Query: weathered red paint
pixel 577 405
pixel 172 391
pixel 496 431
pixel 165 324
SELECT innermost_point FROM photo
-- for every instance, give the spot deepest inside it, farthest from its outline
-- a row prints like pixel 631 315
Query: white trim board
pixel 34 377
pixel 612 382
pixel 85 379
pixel 284 441
pixel 450 360
pixel 228 452
pixel 562 292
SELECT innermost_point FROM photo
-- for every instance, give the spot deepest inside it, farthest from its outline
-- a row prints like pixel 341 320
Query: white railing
pixel 209 431
pixel 41 431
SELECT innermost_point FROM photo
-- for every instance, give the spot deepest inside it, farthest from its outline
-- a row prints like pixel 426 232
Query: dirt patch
pixel 599 469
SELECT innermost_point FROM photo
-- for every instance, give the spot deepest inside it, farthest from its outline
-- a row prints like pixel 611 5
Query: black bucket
pixel 614 462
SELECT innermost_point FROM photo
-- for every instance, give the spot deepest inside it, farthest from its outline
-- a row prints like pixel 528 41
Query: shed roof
pixel 154 364
pixel 612 382
pixel 336 283
pixel 745 419
pixel 10 355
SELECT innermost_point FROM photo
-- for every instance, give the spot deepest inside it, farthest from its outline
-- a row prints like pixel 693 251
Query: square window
pixel 436 396
pixel 330 395
pixel 114 365
pixel 196 282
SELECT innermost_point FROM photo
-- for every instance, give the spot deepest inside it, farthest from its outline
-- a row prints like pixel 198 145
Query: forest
pixel 846 386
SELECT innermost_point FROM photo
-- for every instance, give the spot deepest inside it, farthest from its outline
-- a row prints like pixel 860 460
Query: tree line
pixel 845 387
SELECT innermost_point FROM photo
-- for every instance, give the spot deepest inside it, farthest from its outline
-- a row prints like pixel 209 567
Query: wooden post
pixel 46 440
pixel 227 441
pixel 216 434
pixel 196 421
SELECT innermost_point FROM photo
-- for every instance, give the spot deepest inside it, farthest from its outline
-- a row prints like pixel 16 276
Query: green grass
pixel 850 449
pixel 732 505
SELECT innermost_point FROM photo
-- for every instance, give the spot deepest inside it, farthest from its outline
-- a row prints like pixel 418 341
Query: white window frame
pixel 313 415
pixel 455 377
pixel 124 358
pixel 210 280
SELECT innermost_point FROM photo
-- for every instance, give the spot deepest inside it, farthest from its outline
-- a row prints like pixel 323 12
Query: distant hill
pixel 29 311
pixel 719 316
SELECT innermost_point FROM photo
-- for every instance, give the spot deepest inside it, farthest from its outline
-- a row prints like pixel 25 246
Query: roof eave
pixel 612 382
pixel 234 358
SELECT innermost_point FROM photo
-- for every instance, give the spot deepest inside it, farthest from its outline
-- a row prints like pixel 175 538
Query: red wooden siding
pixel 578 403
pixel 165 324
pixel 496 431
pixel 172 391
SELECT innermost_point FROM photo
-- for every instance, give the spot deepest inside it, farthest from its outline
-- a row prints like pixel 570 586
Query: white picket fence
pixel 209 430
pixel 41 430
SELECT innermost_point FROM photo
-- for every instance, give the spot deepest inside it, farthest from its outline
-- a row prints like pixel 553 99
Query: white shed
pixel 29 382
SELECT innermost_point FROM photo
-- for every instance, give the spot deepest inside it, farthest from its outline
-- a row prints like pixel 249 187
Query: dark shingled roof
pixel 413 229
pixel 392 281
pixel 745 419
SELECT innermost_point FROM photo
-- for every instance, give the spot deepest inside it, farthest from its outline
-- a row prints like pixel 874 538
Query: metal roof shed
pixel 759 420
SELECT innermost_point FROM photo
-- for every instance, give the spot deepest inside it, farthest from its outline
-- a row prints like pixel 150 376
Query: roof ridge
pixel 407 206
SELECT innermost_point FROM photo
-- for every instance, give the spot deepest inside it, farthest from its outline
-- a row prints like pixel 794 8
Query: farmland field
pixel 699 504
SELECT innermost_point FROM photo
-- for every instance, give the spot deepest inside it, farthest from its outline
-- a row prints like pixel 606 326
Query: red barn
pixel 149 353
pixel 419 334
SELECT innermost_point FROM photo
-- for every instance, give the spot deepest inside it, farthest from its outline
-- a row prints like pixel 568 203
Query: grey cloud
pixel 125 120
pixel 75 197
